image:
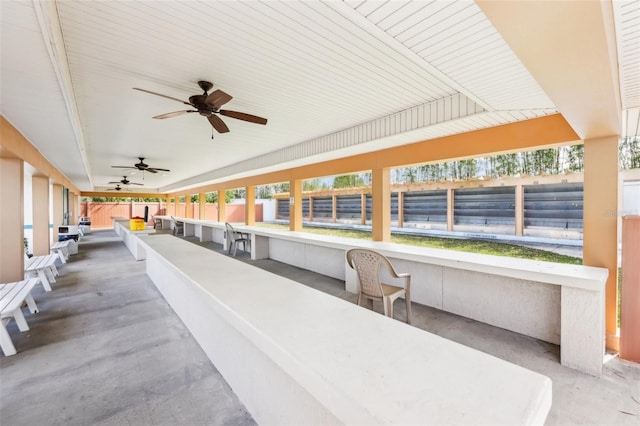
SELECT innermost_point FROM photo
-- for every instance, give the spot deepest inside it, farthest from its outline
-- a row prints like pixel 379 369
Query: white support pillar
pixel 40 208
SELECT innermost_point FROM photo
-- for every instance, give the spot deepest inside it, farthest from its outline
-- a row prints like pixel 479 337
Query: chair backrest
pixel 177 226
pixel 230 231
pixel 367 264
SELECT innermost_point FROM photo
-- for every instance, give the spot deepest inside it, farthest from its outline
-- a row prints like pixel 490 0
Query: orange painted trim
pixel 250 206
pixel 543 132
pixel 380 205
pixel 14 145
pixel 295 210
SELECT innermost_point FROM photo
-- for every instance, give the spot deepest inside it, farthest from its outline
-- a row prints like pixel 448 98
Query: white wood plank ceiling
pixel 333 78
pixel 627 17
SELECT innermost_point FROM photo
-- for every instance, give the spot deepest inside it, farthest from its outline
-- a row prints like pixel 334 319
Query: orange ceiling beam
pixel 551 130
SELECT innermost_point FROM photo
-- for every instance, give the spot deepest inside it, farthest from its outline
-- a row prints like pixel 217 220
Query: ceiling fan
pixel 126 181
pixel 208 105
pixel 142 166
pixel 117 188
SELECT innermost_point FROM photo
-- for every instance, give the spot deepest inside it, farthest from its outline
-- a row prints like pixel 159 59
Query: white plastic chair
pixel 236 237
pixel 178 227
pixel 368 264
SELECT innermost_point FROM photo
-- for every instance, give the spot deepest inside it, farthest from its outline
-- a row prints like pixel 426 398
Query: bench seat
pixel 44 267
pixel 61 248
pixel 12 295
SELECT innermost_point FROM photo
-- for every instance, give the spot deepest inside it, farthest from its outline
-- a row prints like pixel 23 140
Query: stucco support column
pixel 250 205
pixel 222 204
pixel 450 210
pixel 167 210
pixel 40 208
pixel 519 210
pixel 176 205
pixel 74 208
pixel 11 220
pixel 600 216
pixel 188 210
pixel 202 205
pixel 381 204
pixel 58 209
pixel 295 205
pixel 400 209
pixel 334 206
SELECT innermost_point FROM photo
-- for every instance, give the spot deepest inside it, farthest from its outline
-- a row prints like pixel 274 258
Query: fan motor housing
pixel 199 101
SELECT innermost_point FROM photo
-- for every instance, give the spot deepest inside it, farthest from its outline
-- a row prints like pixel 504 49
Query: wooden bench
pixel 44 267
pixel 12 295
pixel 294 355
pixel 61 248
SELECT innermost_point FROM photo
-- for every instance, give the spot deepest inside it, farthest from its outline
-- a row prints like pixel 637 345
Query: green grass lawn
pixel 474 246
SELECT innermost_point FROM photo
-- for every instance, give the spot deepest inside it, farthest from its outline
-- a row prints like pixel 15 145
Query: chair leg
pixel 388 306
pixel 18 316
pixel 408 302
pixel 5 341
pixel 43 280
pixel 50 275
pixel 33 308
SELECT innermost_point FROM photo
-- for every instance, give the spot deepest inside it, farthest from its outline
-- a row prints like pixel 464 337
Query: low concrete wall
pixel 294 355
pixel 558 303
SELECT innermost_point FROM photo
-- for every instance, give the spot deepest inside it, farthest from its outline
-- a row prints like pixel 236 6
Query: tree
pixel 347 181
pixel 313 185
pixel 467 169
pixel 575 158
pixel 629 149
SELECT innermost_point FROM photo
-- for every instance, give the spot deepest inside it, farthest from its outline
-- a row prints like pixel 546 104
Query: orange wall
pixel 102 213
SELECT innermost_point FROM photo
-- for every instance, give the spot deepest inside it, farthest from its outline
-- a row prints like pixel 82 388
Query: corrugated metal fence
pixel 553 206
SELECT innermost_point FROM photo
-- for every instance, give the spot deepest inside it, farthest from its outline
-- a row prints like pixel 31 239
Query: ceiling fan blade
pixel 243 116
pixel 124 167
pixel 218 124
pixel 173 114
pixel 164 96
pixel 218 98
pixel 134 183
pixel 111 183
pixel 156 170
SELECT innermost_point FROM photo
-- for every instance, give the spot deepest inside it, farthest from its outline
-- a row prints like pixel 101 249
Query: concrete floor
pixel 107 349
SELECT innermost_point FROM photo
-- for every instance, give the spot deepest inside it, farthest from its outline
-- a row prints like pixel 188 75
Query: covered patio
pixel 107 349
pixel 346 87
